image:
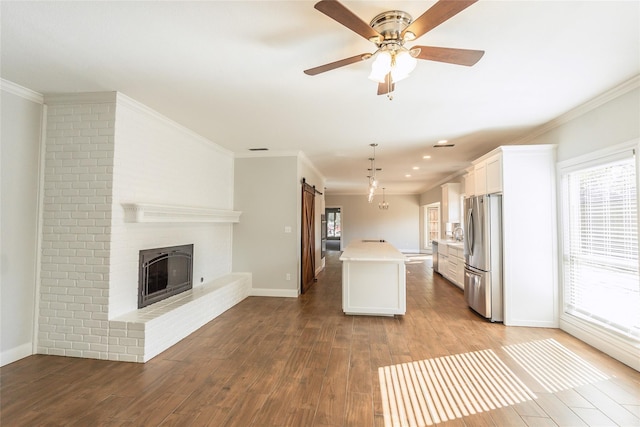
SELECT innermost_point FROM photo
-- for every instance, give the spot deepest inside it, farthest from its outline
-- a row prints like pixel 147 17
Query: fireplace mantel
pixel 147 212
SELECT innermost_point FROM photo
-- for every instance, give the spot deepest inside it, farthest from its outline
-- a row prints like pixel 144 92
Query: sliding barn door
pixel 308 236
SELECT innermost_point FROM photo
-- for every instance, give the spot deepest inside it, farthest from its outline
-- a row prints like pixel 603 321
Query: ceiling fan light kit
pixel 389 31
pixel 393 59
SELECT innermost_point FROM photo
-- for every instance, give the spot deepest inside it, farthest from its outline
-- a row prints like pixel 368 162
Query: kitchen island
pixel 373 279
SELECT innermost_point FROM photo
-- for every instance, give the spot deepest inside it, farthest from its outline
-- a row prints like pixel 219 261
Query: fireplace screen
pixel 164 272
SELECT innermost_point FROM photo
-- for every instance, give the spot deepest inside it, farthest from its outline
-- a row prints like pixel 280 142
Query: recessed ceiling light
pixel 407 176
pixel 426 157
pixel 442 141
pixel 415 168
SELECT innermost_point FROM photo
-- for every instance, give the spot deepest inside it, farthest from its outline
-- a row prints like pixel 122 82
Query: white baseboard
pixel 605 341
pixel 16 353
pixel 282 293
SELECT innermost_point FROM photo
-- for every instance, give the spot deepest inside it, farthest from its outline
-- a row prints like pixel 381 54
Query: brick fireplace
pixel 94 180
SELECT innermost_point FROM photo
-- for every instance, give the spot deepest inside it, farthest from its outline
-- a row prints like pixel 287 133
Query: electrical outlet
pixel 288 276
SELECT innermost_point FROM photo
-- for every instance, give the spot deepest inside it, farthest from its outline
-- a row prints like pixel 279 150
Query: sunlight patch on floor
pixel 553 366
pixel 431 391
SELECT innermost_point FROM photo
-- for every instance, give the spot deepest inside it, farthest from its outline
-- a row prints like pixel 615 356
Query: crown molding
pixel 253 154
pixel 304 159
pixel 80 98
pixel 21 91
pixel 613 93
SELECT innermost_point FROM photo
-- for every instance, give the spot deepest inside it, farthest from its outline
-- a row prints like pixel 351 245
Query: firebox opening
pixel 164 272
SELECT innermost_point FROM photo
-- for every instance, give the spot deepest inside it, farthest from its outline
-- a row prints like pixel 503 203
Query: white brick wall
pixel 143 334
pixel 76 229
pixel 103 150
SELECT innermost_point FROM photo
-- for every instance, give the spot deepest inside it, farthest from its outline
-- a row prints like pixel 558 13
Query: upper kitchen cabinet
pixel 469 182
pixel 488 174
pixel 494 174
pixel 450 203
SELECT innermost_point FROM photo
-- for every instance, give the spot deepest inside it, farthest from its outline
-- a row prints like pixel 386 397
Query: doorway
pixel 334 229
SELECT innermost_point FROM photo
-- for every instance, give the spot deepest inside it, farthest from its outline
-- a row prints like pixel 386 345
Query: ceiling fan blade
pixel 384 88
pixel 336 11
pixel 337 64
pixel 466 57
pixel 436 15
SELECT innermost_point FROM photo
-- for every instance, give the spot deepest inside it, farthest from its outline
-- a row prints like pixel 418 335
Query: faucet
pixel 458 234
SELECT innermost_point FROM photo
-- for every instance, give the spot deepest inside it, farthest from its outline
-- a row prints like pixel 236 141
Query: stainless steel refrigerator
pixel 483 256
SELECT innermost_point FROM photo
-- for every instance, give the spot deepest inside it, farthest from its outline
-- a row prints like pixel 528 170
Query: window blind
pixel 601 245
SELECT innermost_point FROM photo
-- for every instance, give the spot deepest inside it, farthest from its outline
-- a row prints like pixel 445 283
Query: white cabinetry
pixel 525 175
pixel 453 267
pixel 443 257
pixel 456 265
pixel 470 183
pixel 373 279
pixel 480 171
pixel 494 174
pixel 488 174
pixel 450 203
pixel 459 279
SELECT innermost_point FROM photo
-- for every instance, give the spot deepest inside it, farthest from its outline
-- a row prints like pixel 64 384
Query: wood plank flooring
pixel 302 362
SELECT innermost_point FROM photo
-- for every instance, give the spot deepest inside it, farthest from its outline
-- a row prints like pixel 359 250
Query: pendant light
pixel 373 181
pixel 383 204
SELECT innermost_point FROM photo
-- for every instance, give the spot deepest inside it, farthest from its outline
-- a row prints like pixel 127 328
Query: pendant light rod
pixel 383 205
pixel 373 182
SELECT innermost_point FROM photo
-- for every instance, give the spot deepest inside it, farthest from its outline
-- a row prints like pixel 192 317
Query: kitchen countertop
pixel 371 251
pixel 453 243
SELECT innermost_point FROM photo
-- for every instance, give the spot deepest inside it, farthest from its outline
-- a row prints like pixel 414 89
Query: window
pixel 431 224
pixel 333 223
pixel 600 250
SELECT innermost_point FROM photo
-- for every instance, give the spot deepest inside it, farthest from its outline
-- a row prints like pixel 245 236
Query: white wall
pixel 399 225
pixel 602 123
pixel 20 174
pixel 266 192
pixel 159 162
pixel 608 120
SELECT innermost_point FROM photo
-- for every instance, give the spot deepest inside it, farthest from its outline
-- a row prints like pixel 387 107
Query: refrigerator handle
pixel 469 240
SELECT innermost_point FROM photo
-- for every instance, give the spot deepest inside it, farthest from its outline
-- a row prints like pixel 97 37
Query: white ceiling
pixel 233 72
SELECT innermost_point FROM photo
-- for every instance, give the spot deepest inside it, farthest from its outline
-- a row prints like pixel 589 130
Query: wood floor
pixel 301 362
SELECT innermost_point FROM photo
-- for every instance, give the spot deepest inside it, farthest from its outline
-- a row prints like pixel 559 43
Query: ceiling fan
pixel 389 31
